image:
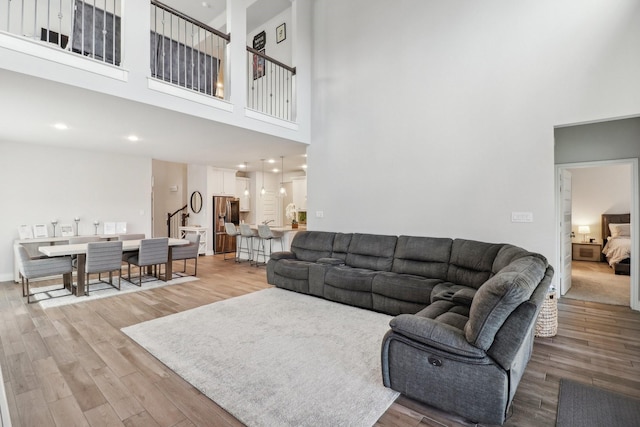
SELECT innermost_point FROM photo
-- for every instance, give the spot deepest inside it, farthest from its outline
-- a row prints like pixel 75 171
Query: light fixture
pixel 133 138
pixel 246 185
pixel 283 191
pixel 584 230
pixel 61 126
pixel 262 191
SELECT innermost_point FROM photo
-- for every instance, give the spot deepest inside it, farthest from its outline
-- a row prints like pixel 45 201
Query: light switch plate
pixel 319 214
pixel 521 216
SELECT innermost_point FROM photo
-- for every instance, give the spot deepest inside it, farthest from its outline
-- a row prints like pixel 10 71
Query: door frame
pixel 633 162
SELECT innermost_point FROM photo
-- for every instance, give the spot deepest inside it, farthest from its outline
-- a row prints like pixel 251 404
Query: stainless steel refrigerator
pixel 225 209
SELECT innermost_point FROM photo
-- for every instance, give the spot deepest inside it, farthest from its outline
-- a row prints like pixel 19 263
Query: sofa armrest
pixel 435 334
pixel 330 261
pixel 282 255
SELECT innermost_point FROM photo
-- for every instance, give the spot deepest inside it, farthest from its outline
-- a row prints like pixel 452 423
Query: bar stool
pixel 265 233
pixel 231 231
pixel 246 235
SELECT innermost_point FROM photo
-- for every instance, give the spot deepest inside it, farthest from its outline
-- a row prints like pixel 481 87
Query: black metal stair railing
pixel 176 220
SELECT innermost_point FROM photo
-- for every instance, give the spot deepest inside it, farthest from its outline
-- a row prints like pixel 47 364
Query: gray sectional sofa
pixel 465 311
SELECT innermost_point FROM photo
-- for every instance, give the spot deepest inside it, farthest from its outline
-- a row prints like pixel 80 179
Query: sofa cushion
pixel 506 255
pixel 355 279
pixel 471 262
pixel 395 293
pixel 500 296
pixel 448 313
pixel 422 256
pixel 458 294
pixel 293 268
pixel 312 245
pixel 371 251
pixel 341 245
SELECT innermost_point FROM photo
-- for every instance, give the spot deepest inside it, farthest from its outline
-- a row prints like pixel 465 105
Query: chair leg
pixel 195 272
pixel 224 249
pixel 28 294
pixel 24 292
pixel 120 279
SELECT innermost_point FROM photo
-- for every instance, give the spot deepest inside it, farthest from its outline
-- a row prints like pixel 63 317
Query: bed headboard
pixel 612 219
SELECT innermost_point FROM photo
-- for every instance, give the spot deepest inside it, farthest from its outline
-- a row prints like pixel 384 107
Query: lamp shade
pixel 584 229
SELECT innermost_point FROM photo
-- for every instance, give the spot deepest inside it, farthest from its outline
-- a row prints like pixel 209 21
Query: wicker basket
pixel 547 323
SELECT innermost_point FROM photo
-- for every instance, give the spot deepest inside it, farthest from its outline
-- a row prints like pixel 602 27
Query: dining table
pixel 80 250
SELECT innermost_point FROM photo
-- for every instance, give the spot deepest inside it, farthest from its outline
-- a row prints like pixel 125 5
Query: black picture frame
pixel 281 32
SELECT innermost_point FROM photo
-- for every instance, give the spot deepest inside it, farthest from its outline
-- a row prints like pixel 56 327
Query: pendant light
pixel 262 191
pixel 283 191
pixel 246 183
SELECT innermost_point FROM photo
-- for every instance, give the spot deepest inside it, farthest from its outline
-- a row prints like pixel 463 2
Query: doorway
pixel 593 193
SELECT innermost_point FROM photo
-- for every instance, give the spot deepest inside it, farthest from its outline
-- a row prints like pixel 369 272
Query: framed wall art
pixel 281 32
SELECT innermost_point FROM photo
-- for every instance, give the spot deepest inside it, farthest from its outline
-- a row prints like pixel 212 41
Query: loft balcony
pixel 154 53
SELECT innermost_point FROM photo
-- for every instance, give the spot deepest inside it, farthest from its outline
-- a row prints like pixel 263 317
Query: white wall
pixel 41 183
pixel 165 176
pixel 596 191
pixel 441 124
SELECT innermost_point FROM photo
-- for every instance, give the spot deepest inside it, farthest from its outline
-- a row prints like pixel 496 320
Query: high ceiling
pixel 212 12
pixel 31 106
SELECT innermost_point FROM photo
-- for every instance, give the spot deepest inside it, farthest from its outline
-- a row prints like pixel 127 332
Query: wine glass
pixel 77 220
pixel 54 222
pixel 96 223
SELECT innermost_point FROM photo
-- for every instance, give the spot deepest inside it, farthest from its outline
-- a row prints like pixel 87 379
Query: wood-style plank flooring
pixel 71 366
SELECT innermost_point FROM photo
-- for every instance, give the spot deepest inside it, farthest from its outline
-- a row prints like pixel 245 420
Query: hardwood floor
pixel 71 365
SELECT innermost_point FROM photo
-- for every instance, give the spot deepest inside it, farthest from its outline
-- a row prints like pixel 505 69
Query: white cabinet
pixel 222 182
pixel 245 201
pixel 202 231
pixel 299 192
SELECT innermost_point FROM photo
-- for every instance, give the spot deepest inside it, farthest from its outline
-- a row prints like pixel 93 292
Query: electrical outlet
pixel 319 214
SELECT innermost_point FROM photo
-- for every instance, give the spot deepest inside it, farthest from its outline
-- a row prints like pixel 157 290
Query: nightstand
pixel 586 251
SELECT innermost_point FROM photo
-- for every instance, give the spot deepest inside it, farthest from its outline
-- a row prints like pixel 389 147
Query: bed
pixel 616 236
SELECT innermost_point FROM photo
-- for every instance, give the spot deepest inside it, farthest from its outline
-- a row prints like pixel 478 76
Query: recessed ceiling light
pixel 275 170
pixel 271 161
pixel 61 126
pixel 133 138
pixel 304 166
pixel 205 4
pixel 242 166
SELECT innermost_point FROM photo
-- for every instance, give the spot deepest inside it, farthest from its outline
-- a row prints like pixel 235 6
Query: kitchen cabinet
pixel 299 192
pixel 202 231
pixel 222 182
pixel 245 201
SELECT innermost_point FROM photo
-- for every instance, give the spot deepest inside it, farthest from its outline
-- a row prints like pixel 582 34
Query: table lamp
pixel 584 230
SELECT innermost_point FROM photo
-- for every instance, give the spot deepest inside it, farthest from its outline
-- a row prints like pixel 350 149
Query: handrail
pixel 270 59
pixel 187 18
pixel 171 215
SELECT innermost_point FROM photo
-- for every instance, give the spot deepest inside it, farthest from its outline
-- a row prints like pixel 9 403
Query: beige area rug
pixel 597 283
pixel 278 358
pixel 102 290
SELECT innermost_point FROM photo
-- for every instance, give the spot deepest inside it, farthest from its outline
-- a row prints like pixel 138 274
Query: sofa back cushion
pixel 312 245
pixel 471 262
pixel 500 296
pixel 371 251
pixel 341 245
pixel 422 256
pixel 506 255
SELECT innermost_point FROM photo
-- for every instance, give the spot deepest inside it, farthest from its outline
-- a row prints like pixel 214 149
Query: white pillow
pixel 620 230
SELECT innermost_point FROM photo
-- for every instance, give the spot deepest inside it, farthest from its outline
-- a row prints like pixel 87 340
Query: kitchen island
pixel 287 233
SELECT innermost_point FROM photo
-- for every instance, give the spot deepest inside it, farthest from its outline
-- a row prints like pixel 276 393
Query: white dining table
pixel 80 249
